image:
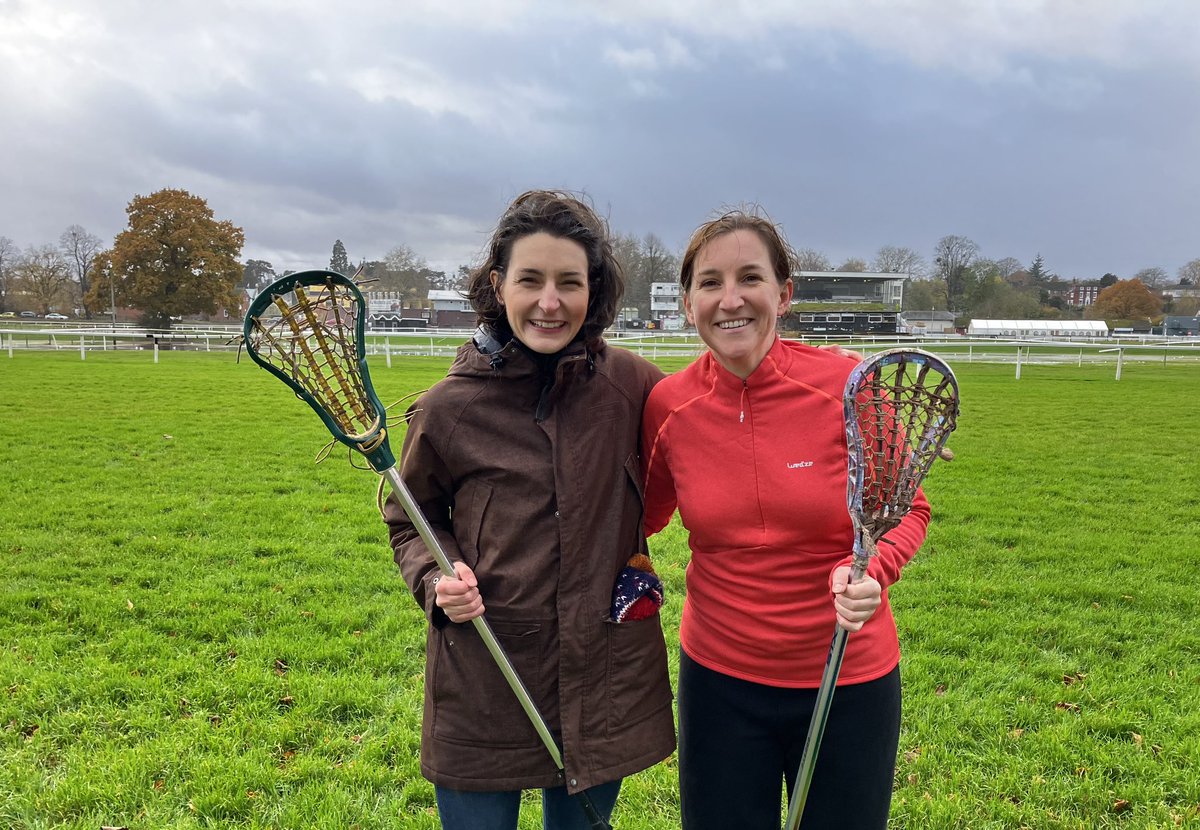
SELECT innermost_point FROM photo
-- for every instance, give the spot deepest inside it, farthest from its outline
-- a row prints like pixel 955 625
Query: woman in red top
pixel 748 442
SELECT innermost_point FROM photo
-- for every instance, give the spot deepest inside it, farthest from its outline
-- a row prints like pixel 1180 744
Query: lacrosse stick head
pixel 900 407
pixel 307 330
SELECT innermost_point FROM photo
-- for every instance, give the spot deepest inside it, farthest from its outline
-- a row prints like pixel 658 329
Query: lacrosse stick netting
pixel 307 330
pixel 899 407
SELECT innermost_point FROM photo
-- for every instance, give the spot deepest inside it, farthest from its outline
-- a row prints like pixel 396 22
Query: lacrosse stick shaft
pixel 405 497
pixel 485 631
pixel 820 717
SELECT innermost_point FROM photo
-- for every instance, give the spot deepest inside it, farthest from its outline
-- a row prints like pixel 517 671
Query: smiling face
pixel 544 291
pixel 734 299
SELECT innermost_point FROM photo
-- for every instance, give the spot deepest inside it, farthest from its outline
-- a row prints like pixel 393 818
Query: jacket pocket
pixel 633 470
pixel 470 506
pixel 472 702
pixel 638 685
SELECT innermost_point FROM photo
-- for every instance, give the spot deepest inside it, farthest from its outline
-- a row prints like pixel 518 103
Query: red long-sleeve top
pixel 757 469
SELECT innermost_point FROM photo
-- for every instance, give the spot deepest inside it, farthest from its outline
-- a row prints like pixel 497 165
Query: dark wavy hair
pixel 564 216
pixel 783 258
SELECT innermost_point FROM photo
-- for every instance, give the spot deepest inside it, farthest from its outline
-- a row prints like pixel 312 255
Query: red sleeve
pixel 900 544
pixel 659 488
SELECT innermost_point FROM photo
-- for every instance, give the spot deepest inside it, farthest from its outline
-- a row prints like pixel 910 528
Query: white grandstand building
pixel 1037 328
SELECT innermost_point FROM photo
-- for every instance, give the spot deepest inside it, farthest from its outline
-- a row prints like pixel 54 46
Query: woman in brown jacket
pixel 525 461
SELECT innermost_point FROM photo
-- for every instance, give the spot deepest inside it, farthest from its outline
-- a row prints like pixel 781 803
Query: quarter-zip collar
pixel 776 361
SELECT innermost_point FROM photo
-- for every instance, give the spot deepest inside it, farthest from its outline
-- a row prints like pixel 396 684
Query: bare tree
pixel 658 260
pixel 853 264
pixel 45 276
pixel 628 252
pixel 406 271
pixel 8 260
pixel 1008 266
pixel 953 257
pixel 1153 278
pixel 891 259
pixel 79 248
pixel 1189 273
pixel 808 259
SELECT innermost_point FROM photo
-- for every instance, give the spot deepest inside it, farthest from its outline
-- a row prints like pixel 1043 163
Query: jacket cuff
pixel 436 616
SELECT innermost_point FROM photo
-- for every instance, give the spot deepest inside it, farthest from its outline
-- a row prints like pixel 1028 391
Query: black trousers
pixel 739 742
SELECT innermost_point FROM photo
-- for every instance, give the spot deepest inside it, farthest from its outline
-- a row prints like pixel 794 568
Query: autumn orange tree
pixel 1126 300
pixel 175 258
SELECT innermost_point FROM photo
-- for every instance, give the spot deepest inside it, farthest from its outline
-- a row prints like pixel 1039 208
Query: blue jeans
pixel 463 810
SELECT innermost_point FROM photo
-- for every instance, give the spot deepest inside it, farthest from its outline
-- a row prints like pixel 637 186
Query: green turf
pixel 201 628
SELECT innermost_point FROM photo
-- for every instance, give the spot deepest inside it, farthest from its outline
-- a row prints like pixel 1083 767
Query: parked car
pixel 8 314
pixel 54 315
pixel 29 314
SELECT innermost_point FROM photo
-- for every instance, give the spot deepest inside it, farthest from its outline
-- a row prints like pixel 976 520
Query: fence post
pixel 156 350
pixel 82 351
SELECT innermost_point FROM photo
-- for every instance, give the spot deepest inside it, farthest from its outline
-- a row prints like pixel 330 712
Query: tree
pixel 1109 279
pixel 853 265
pixel 809 260
pixel 1126 300
pixel 994 298
pixel 1151 277
pixel 953 257
pixel 175 258
pixel 8 259
pixel 45 277
pixel 627 250
pixel 79 248
pixel 1038 274
pixel 1009 266
pixel 462 277
pixel 257 273
pixel 407 272
pixel 438 280
pixel 338 261
pixel 657 259
pixel 893 260
pixel 1189 274
pixel 925 295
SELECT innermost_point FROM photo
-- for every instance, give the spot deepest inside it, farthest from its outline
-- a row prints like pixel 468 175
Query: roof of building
pixel 857 276
pixel 1039 325
pixel 927 315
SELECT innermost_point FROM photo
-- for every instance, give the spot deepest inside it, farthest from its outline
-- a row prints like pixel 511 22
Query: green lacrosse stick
pixel 307 330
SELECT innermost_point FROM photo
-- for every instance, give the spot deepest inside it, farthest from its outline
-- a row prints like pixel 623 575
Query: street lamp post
pixel 112 301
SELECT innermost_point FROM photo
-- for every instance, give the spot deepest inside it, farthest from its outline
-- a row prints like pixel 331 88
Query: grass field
pixel 201 628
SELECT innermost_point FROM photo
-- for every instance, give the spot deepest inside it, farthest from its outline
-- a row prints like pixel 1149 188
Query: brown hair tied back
pixel 783 258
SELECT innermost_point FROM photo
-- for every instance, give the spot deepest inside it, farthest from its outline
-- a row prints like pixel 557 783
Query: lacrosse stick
pixel 307 330
pixel 900 406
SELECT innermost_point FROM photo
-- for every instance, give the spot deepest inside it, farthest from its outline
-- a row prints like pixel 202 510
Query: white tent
pixel 1038 328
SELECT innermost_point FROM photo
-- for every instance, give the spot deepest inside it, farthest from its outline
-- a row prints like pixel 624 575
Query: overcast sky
pixel 1065 127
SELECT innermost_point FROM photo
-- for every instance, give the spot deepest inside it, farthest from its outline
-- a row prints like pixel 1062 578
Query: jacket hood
pixel 550 376
pixel 489 353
